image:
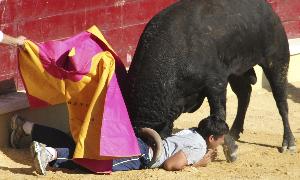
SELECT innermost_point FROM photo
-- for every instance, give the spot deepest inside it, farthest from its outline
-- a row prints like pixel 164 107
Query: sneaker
pixel 41 157
pixel 17 132
pixel 152 138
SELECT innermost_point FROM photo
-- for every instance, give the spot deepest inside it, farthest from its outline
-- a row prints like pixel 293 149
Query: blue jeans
pixel 134 163
pixel 65 147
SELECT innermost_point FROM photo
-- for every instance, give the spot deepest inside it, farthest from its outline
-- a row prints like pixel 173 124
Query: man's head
pixel 213 129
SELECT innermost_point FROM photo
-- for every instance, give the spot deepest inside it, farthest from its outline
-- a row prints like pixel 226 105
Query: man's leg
pixel 58 138
pixel 55 157
pixel 46 135
pixel 133 163
pixel 60 141
pixel 61 145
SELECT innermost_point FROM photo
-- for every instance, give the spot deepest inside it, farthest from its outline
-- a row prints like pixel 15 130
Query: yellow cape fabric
pixel 85 98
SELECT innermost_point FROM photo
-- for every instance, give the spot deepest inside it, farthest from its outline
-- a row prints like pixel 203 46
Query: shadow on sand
pixel 259 144
pixel 293 93
pixel 21 156
pixel 27 171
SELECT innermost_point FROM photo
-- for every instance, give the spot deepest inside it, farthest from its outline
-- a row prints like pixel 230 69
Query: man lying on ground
pixel 195 146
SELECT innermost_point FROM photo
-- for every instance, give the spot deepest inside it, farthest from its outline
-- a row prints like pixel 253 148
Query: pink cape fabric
pixel 116 136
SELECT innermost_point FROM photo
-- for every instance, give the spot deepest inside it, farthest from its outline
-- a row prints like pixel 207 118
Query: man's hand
pixel 20 40
pixel 214 154
pixel 206 159
pixel 9 40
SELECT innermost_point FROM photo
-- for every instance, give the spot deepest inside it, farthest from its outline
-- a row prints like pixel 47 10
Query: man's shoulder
pixel 191 134
pixel 184 132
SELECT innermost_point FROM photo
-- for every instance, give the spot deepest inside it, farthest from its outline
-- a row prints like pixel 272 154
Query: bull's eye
pixel 218 87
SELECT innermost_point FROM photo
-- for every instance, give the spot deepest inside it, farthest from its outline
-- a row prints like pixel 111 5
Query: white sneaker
pixel 17 132
pixel 41 157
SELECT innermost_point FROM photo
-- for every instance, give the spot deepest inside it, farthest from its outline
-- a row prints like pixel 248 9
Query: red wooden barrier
pixel 121 21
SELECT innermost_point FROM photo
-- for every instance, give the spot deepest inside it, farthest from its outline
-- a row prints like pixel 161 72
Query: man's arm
pixel 9 40
pixel 206 158
pixel 176 162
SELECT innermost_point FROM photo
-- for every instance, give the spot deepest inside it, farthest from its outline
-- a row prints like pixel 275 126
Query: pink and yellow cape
pixel 81 71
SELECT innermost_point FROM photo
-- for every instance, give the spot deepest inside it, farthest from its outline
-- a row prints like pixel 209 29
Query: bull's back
pixel 210 30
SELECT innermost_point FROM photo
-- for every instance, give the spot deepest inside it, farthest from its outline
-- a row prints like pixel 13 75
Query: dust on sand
pixel 258 156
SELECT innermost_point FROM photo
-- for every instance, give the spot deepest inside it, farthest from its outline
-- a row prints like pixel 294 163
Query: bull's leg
pixel 241 86
pixel 217 105
pixel 277 76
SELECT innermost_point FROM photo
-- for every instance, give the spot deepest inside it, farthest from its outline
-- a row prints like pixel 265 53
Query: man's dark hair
pixel 212 125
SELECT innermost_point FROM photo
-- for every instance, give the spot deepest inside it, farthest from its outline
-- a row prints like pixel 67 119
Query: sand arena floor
pixel 258 156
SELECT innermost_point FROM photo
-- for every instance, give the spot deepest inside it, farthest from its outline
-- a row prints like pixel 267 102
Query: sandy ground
pixel 258 156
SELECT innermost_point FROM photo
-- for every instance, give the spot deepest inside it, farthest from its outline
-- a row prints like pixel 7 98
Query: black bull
pixel 193 49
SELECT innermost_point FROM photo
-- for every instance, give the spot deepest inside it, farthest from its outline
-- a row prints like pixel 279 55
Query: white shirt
pixel 1 36
pixel 188 141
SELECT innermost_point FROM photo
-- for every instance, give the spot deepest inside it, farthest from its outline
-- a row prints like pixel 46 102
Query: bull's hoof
pixel 288 144
pixel 290 149
pixel 230 154
pixel 230 149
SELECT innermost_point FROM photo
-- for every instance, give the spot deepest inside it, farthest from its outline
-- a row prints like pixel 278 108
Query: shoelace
pixel 49 156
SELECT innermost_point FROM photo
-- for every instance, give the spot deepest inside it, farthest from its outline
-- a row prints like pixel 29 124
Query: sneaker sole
pixel 36 159
pixel 12 139
pixel 13 126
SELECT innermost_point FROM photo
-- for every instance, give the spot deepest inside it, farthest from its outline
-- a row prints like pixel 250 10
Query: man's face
pixel 214 142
